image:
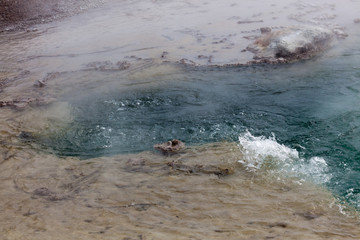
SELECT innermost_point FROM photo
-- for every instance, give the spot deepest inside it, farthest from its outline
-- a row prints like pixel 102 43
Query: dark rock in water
pixel 170 146
pixel 290 44
pixel 357 20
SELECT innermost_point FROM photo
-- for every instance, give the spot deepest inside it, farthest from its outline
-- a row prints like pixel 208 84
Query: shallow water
pixel 265 142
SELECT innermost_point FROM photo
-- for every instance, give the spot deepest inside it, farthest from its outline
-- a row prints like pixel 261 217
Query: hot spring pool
pixel 304 116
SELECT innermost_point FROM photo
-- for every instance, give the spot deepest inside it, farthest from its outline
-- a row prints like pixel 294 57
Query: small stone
pixel 357 20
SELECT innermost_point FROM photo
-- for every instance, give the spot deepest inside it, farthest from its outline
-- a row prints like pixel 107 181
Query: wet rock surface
pixel 290 44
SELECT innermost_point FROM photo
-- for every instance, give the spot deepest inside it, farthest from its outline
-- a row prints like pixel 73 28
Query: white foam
pixel 267 154
pixel 259 151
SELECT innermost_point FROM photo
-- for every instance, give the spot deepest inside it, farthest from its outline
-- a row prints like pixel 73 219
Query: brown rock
pixel 170 146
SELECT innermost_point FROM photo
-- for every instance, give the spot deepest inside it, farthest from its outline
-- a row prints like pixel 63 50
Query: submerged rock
pixel 170 146
pixel 293 43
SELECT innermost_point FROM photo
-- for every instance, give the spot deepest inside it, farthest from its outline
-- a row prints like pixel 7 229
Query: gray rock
pixel 291 44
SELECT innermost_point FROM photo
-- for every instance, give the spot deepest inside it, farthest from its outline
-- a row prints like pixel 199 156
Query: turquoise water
pixel 308 112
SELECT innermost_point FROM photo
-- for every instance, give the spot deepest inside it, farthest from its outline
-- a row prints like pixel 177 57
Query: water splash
pixel 265 153
pixel 261 151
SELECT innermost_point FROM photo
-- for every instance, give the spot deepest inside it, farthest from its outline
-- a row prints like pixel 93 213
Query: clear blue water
pixel 312 107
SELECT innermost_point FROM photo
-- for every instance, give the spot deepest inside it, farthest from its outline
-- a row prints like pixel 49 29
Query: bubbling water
pixel 308 110
pixel 261 153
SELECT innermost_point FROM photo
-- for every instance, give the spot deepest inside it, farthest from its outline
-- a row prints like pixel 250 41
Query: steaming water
pixel 301 119
pixel 277 129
